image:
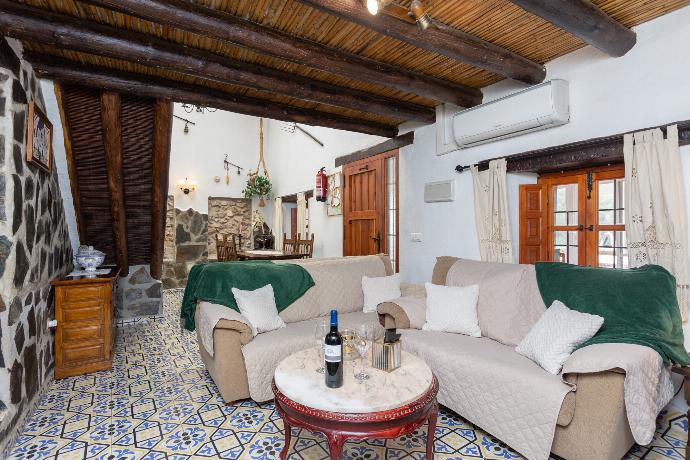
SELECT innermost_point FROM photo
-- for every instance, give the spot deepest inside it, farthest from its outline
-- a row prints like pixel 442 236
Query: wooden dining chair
pixel 289 244
pixel 306 247
pixel 226 247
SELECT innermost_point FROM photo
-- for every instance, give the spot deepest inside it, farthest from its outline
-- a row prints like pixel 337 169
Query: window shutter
pixel 533 234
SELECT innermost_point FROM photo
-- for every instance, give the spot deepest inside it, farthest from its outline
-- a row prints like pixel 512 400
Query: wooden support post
pixel 159 88
pixel 73 180
pixel 112 142
pixel 35 25
pixel 162 131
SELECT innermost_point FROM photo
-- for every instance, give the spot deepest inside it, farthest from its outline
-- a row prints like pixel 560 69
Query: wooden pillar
pixel 112 142
pixel 162 132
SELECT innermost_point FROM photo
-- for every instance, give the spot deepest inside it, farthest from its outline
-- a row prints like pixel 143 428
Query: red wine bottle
pixel 333 354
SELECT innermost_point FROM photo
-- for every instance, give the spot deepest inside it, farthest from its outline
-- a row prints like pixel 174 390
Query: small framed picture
pixel 39 145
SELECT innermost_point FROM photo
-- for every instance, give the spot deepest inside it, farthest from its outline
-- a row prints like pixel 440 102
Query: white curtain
pixel 302 215
pixel 278 223
pixel 491 212
pixel 656 217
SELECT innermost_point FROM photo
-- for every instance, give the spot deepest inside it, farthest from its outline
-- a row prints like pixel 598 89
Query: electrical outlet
pixel 416 237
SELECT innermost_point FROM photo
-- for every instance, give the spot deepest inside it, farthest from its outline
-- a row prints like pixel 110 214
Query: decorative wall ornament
pixel 491 212
pixel 656 219
pixel 335 193
pixel 189 108
pixel 187 185
pixel 39 147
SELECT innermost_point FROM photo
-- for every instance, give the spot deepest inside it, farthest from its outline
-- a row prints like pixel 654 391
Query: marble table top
pixel 296 378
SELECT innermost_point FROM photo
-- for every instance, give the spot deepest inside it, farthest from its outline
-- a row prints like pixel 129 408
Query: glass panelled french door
pixel 586 217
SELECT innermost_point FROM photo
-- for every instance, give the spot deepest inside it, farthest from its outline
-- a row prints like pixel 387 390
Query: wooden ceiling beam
pixel 439 38
pixel 68 71
pixel 212 23
pixel 162 133
pixel 112 143
pixel 586 21
pixel 33 24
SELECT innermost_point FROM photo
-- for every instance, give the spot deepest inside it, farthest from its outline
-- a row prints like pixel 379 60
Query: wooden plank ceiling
pixel 504 38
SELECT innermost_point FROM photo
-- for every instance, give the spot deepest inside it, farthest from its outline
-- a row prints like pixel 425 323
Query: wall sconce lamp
pixel 187 186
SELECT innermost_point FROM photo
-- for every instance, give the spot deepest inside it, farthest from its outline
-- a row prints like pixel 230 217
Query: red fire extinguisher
pixel 321 190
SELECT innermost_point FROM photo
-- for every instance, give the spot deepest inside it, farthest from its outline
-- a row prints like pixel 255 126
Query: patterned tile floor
pixel 158 402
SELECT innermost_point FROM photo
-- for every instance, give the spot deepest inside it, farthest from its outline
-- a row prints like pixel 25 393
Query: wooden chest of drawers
pixel 85 315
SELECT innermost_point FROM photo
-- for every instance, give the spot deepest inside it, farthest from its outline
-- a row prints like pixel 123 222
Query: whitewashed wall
pixel 293 160
pixel 199 155
pixel 645 88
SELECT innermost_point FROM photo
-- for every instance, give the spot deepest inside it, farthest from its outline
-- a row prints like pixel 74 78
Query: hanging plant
pixel 258 186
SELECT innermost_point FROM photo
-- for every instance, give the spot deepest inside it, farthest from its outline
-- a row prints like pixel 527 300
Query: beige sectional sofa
pixel 590 420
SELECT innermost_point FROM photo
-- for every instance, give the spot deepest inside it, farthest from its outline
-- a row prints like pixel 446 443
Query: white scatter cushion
pixel 380 289
pixel 259 308
pixel 556 334
pixel 452 309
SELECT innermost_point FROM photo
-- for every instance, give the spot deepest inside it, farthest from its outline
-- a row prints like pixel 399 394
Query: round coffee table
pixel 387 405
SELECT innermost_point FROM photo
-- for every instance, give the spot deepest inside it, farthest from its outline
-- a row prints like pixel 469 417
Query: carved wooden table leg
pixel 335 445
pixel 288 437
pixel 431 432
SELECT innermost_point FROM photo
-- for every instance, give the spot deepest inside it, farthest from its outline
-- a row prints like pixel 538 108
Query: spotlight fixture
pixel 374 6
pixel 418 11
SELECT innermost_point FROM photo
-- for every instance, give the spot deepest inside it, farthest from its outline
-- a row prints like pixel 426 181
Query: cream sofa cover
pixel 242 366
pixel 492 386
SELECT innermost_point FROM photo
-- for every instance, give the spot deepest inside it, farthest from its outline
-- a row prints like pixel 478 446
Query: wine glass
pixel 362 346
pixel 319 337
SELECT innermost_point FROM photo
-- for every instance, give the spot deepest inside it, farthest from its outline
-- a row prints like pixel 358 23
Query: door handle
pixel 377 238
pixel 589 228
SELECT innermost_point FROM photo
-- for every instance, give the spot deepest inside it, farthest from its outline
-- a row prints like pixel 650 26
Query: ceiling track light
pixel 374 6
pixel 418 12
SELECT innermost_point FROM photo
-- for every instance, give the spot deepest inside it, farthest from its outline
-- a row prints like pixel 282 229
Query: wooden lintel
pixel 158 88
pixel 216 24
pixel 40 26
pixel 387 146
pixel 438 38
pixel 586 21
pixel 71 171
pixel 590 152
pixel 112 143
pixel 162 132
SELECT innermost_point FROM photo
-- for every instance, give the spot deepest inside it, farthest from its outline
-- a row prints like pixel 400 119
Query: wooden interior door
pixel 364 207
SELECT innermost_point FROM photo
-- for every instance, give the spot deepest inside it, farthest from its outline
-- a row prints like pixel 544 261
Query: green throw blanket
pixel 639 305
pixel 213 283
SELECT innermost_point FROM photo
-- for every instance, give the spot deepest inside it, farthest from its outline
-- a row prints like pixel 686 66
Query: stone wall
pixel 184 247
pixel 190 236
pixel 34 249
pixel 229 215
pixel 138 294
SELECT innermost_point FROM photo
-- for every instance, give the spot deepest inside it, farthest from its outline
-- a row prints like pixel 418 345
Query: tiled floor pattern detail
pixel 158 402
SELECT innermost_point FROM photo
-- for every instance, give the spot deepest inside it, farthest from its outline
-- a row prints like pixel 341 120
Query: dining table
pixel 269 254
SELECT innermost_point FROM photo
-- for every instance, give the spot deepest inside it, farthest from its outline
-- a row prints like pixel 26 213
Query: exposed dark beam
pixel 209 22
pixel 73 182
pixel 103 78
pixel 586 21
pixel 438 38
pixel 387 146
pixel 36 25
pixel 590 152
pixel 162 131
pixel 112 143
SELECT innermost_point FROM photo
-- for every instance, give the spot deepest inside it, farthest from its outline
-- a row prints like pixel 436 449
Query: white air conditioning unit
pixel 540 107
